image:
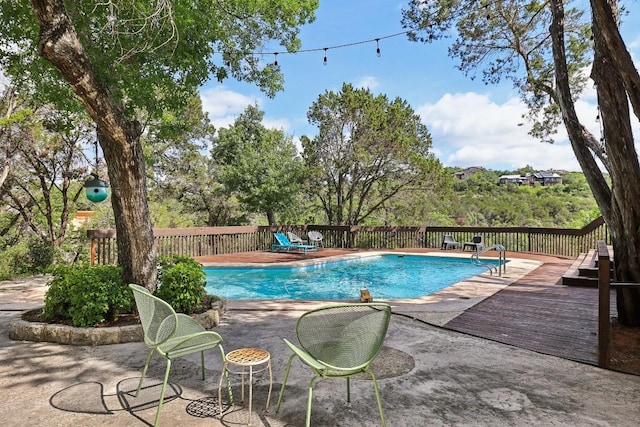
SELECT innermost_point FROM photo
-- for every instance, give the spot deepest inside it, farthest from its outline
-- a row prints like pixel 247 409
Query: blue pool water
pixel 386 277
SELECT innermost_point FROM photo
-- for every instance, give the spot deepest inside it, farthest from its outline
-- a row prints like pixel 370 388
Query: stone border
pixel 23 330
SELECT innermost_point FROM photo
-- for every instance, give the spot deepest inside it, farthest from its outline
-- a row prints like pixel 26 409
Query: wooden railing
pixel 204 241
pixel 605 284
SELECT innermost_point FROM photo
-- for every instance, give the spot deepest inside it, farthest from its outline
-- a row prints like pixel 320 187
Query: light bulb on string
pixel 378 48
pixel 324 61
pixel 275 60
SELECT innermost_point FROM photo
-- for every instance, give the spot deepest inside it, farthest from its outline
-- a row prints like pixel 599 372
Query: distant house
pixel 542 178
pixel 466 173
pixel 512 179
pixel 545 178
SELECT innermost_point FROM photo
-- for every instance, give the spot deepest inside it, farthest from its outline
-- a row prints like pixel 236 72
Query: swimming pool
pixel 386 277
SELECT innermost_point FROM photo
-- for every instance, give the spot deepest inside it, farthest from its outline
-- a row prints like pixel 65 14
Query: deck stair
pixel 584 271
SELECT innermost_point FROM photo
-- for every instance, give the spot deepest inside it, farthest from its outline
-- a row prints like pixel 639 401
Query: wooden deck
pixel 535 313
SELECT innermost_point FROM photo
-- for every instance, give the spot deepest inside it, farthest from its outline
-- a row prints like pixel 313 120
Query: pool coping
pixel 438 308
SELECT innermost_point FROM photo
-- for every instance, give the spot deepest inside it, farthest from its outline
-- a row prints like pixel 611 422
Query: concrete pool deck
pixel 427 376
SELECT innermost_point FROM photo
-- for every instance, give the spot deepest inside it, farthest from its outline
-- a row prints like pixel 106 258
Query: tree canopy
pixel 259 165
pixel 368 150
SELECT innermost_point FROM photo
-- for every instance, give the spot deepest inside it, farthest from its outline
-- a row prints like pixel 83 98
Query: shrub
pixel 39 255
pixel 26 257
pixel 12 261
pixel 182 283
pixel 87 295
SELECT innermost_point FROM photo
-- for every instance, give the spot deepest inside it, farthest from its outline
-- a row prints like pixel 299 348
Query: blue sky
pixel 471 124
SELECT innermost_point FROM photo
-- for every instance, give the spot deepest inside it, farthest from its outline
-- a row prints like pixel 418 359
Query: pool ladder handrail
pixel 502 259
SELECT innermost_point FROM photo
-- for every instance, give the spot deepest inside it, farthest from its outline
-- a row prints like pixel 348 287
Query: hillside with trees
pixel 480 201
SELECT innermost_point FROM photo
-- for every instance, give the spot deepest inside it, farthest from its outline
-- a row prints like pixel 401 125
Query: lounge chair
pixel 295 239
pixel 171 335
pixel 285 245
pixel 476 244
pixel 315 238
pixel 448 242
pixel 339 341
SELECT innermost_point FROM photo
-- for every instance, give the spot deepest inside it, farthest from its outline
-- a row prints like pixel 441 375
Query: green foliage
pixel 40 255
pixel 153 55
pixel 259 165
pixel 12 258
pixel 509 39
pixel 182 283
pixel 369 149
pixel 25 256
pixel 87 295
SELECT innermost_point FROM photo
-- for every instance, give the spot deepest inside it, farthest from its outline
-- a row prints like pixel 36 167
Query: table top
pixel 248 356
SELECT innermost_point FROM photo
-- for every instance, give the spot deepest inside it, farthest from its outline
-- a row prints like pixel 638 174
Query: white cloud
pixel 223 106
pixel 4 81
pixel 279 124
pixel 367 82
pixel 469 129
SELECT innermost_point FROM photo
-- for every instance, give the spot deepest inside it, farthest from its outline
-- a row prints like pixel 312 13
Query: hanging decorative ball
pixel 97 189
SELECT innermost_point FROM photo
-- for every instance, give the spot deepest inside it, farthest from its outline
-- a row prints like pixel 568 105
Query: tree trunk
pixel 578 134
pixel 625 169
pixel 119 138
pixel 271 218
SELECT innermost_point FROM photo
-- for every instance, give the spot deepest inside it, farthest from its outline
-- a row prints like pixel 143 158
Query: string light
pixel 325 49
pixel 275 60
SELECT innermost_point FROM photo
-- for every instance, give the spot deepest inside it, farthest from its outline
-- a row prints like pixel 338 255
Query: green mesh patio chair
pixel 172 335
pixel 339 341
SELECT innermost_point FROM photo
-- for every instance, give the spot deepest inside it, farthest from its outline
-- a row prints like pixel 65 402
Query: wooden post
pixel 93 251
pixel 604 296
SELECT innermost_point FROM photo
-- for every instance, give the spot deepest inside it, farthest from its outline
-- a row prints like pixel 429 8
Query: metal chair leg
pixel 284 382
pixel 164 387
pixel 144 372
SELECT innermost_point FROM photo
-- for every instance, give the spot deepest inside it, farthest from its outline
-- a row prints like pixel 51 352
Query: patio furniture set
pixel 334 341
pixel 449 242
pixel 292 242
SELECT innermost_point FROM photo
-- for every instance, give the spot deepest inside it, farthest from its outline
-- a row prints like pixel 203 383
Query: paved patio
pixel 428 375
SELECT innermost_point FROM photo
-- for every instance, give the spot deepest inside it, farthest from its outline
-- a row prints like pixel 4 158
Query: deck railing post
pixel 93 251
pixel 604 297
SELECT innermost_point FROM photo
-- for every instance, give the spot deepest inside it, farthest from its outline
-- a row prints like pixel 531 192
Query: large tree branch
pixel 59 44
pixel 604 15
pixel 599 186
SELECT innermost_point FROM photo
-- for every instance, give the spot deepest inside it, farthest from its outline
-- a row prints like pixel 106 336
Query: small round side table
pixel 246 358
